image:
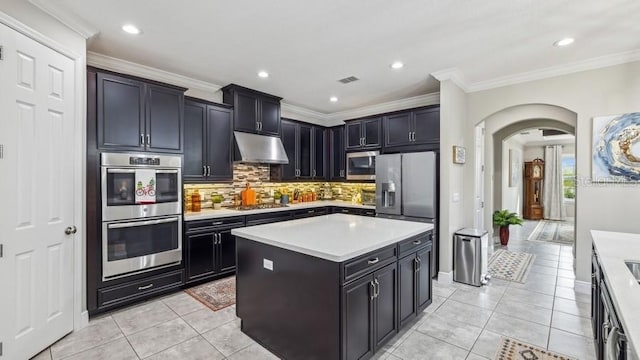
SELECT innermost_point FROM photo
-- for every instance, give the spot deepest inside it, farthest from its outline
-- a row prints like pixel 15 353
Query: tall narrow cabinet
pixel 533 189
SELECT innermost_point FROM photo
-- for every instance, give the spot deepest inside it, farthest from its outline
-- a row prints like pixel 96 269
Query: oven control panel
pixel 144 161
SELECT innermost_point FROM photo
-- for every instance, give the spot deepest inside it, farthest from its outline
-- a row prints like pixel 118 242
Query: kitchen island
pixel 331 287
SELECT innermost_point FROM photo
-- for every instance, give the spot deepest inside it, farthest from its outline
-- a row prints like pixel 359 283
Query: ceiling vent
pixel 348 79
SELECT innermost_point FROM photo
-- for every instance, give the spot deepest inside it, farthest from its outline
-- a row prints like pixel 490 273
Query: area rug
pixel 509 265
pixel 217 294
pixel 553 231
pixel 512 349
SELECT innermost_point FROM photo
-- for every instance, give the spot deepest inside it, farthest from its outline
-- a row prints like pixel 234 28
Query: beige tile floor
pixel 463 322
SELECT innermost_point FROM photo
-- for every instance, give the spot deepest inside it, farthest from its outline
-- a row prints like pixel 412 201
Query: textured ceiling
pixel 307 46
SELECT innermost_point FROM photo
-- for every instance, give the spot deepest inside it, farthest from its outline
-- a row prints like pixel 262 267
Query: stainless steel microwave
pixel 362 165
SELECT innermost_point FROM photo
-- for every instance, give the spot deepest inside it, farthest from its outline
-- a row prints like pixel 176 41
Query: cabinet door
pixel 164 119
pixel 289 131
pixel 226 251
pixel 304 150
pixel 397 130
pixel 407 288
pixel 195 119
pixel 426 126
pixel 386 301
pixel 357 318
pixel 270 117
pixel 372 132
pixel 424 278
pixel 319 163
pixel 120 113
pixel 353 137
pixel 219 143
pixel 200 256
pixel 337 153
pixel 245 109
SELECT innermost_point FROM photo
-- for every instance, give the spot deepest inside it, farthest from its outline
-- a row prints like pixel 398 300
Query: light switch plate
pixel 267 264
pixel 455 197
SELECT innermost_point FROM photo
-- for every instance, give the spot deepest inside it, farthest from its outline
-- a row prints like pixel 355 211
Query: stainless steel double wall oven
pixel 139 234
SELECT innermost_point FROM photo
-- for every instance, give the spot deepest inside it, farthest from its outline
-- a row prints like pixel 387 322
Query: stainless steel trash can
pixel 470 248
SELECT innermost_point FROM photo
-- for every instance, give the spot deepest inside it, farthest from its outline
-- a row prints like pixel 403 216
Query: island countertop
pixel 335 237
pixel 613 249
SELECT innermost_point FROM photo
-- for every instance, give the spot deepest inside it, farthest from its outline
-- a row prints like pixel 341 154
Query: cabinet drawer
pixel 344 210
pixel 298 214
pixel 139 288
pixel 412 244
pixel 259 219
pixel 214 224
pixel 364 264
pixel 368 212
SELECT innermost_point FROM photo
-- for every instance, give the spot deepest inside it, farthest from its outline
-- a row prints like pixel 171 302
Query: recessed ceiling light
pixel 263 74
pixel 333 99
pixel 564 42
pixel 131 29
pixel 397 65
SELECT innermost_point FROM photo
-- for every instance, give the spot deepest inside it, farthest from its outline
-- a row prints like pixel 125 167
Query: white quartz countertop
pixel 613 250
pixel 219 213
pixel 335 237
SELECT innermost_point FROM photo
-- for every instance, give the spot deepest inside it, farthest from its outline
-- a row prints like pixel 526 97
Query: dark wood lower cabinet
pixel 358 318
pixel 210 250
pixel 414 283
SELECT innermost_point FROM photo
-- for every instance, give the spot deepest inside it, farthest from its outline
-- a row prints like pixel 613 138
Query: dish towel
pixel 145 186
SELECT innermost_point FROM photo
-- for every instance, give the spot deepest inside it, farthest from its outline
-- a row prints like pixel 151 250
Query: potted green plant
pixel 277 195
pixel 504 218
pixel 217 201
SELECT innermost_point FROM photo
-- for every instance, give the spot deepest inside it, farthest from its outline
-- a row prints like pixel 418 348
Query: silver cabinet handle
pixel 605 331
pixel 414 136
pixel 257 125
pixel 373 261
pixel 310 211
pixel 142 140
pixel 217 223
pixel 314 172
pixel 419 263
pixel 417 242
pixel 208 170
pixel 148 140
pixel 145 287
pixel 409 135
pixel 377 287
pixel 204 171
pixel 372 290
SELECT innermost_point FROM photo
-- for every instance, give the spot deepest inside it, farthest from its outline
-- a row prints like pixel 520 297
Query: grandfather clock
pixel 533 181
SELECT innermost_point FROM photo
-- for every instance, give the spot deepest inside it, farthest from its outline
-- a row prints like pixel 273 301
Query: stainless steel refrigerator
pixel 406 189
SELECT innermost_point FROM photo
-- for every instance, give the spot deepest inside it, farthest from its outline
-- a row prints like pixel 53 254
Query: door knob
pixel 70 230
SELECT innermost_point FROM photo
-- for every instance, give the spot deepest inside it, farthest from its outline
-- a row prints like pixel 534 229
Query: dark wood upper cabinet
pixel 208 141
pixel 412 130
pixel 121 122
pixel 337 153
pixel 254 111
pixel 139 115
pixel 305 147
pixel 363 134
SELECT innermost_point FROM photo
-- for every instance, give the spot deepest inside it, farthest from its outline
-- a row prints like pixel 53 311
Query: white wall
pixel 511 196
pixel 453 104
pixel 533 152
pixel 611 90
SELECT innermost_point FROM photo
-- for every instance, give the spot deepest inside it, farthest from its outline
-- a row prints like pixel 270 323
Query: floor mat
pixel 512 349
pixel 553 231
pixel 509 265
pixel 217 294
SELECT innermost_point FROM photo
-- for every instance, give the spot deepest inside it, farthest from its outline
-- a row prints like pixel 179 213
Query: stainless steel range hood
pixel 252 148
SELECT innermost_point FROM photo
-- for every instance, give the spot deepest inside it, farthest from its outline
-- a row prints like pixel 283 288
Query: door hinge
pixel 0 349
pixel 482 204
pixel 1 58
pixel 1 255
pixel 481 167
pixel 1 151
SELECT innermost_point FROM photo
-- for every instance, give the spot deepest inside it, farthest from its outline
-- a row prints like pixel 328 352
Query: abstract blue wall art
pixel 616 148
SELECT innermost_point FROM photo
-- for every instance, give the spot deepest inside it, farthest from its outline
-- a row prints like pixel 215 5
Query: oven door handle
pixel 166 171
pixel 121 171
pixel 142 223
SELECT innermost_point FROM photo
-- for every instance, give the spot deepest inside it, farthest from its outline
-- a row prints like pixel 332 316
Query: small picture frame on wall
pixel 459 155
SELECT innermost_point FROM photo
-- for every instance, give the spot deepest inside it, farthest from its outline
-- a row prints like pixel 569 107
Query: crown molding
pixel 299 113
pixel 453 74
pixel 68 18
pixel 337 118
pixel 131 68
pixel 553 71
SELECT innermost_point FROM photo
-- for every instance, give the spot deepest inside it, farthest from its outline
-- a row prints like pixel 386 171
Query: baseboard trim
pixel 445 277
pixel 583 287
pixel 81 321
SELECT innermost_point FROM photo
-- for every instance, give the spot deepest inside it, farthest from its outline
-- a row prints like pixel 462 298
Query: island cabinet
pixel 414 271
pixel 208 149
pixel 135 114
pixel 414 130
pixel 210 249
pixel 254 111
pixel 363 134
pixel 336 298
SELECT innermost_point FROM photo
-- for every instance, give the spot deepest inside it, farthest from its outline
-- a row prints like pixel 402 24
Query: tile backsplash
pixel 258 176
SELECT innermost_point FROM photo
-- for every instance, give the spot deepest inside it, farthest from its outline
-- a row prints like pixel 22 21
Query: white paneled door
pixel 36 195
